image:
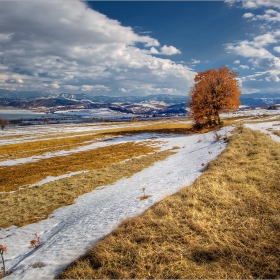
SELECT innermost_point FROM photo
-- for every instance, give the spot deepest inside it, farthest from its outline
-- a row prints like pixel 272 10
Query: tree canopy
pixel 215 91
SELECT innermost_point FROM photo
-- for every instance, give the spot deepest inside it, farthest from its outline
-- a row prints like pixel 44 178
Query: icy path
pixel 75 228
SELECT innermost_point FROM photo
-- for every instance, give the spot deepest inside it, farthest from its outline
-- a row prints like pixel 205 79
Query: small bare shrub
pixel 2 250
pixel 36 242
pixel 240 127
pixel 217 137
pixel 144 196
pixel 175 148
pixel 38 265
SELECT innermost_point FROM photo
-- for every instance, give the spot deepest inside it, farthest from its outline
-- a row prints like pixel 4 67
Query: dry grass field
pixel 42 142
pixel 34 204
pixel 12 177
pixel 21 205
pixel 67 141
pixel 35 148
pixel 226 225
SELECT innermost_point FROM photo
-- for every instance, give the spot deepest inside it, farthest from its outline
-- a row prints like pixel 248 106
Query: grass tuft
pixel 277 133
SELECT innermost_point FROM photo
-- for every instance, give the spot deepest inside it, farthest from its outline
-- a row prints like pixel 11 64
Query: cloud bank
pixel 67 47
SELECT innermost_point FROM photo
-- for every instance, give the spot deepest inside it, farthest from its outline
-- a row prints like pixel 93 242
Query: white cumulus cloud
pixel 264 40
pixel 248 15
pixel 254 4
pixel 165 50
pixel 277 49
pixel 169 50
pixel 72 47
pixel 247 49
pixel 244 67
pixel 260 51
pixel 195 61
pixel 269 15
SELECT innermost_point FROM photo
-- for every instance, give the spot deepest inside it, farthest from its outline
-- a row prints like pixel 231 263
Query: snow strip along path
pixel 267 127
pixel 75 228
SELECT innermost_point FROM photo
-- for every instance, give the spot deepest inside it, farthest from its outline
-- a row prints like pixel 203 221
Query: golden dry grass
pixel 13 177
pixel 276 133
pixel 4 137
pixel 226 225
pixel 73 140
pixel 34 204
pixel 27 149
pixel 106 165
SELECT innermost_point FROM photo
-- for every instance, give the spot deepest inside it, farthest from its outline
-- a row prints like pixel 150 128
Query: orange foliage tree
pixel 215 91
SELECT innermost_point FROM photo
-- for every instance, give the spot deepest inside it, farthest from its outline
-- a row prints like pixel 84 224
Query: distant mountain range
pixel 173 103
pixel 82 97
pixel 260 99
pixel 167 98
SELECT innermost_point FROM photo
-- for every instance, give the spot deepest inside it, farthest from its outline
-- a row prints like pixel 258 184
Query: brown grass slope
pixel 226 225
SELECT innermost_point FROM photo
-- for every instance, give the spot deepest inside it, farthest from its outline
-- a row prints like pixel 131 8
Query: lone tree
pixel 3 123
pixel 215 91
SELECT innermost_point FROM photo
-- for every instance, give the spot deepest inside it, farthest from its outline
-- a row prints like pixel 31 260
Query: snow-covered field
pixel 251 112
pixel 74 228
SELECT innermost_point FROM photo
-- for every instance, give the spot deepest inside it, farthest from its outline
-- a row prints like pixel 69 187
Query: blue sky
pixel 137 48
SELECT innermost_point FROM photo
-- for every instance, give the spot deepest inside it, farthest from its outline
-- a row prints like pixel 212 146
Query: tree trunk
pixel 219 120
pixel 4 269
pixel 217 117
